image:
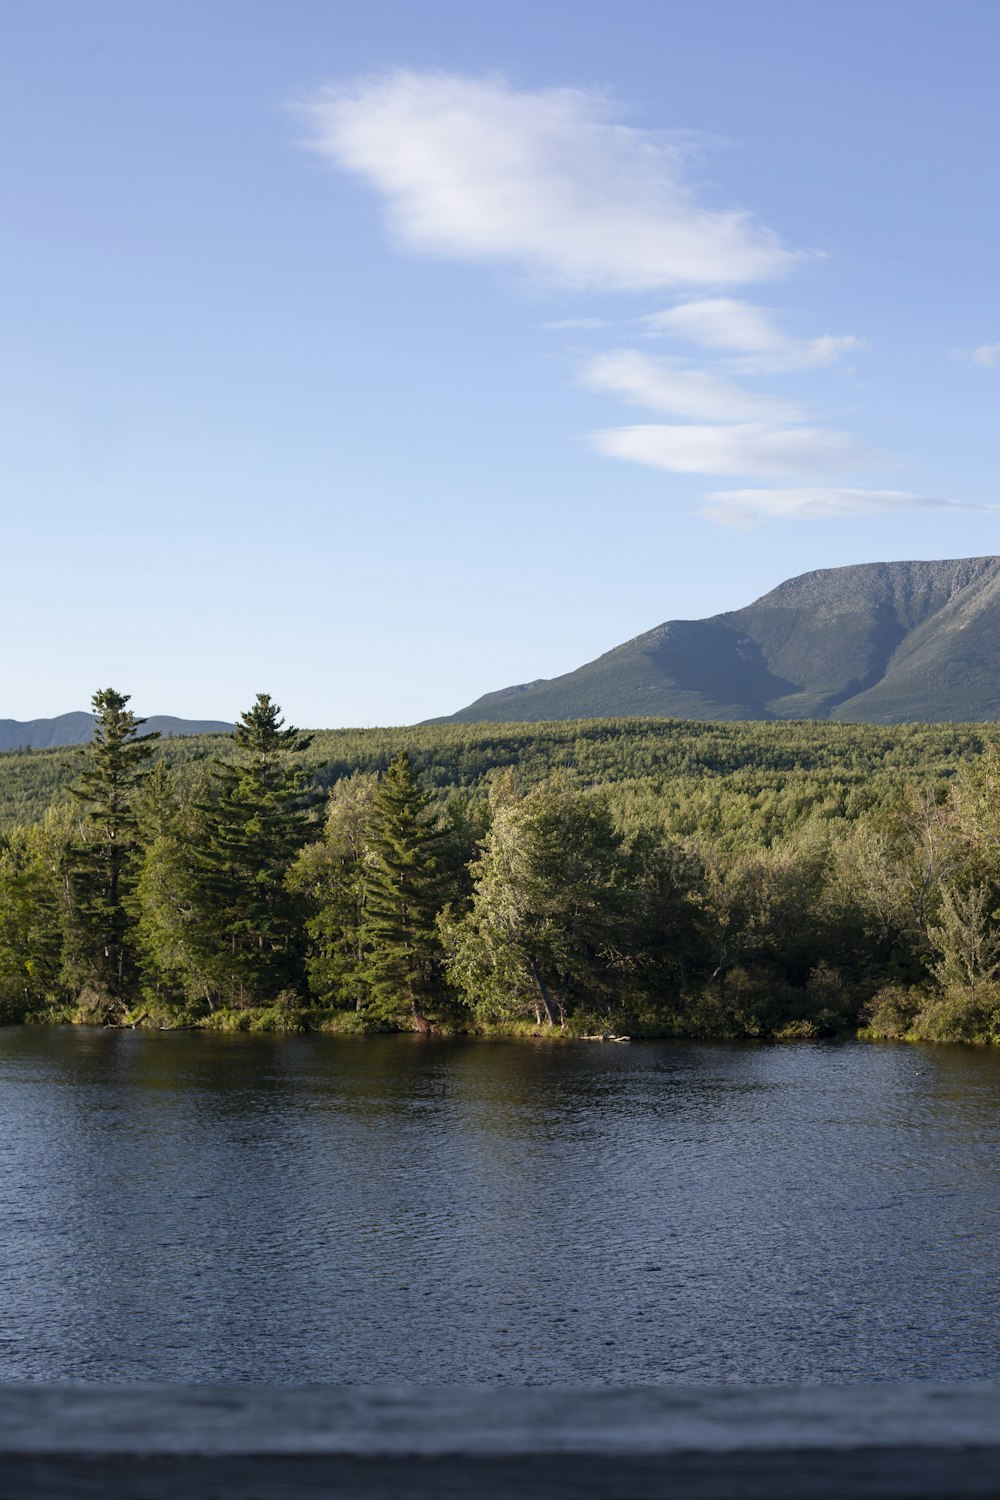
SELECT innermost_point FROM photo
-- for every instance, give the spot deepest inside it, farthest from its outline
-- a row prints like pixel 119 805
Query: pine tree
pixel 402 899
pixel 250 921
pixel 102 859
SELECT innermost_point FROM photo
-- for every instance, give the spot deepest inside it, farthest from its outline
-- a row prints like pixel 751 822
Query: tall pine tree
pixel 402 899
pixel 103 858
pixel 251 923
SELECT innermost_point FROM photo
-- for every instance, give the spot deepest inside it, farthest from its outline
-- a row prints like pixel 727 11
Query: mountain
pixel 877 643
pixel 75 729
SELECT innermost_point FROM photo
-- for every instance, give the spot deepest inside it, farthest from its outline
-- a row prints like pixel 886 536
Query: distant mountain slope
pixel 878 643
pixel 76 728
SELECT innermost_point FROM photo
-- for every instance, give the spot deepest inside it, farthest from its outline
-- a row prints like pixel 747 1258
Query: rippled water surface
pixel 241 1208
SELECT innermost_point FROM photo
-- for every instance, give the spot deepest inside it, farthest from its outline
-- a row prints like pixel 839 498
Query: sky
pixel 380 355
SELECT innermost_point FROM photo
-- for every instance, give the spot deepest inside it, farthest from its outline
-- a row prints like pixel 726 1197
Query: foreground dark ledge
pixel 923 1442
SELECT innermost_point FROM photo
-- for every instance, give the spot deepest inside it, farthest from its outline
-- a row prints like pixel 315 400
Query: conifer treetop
pixel 261 731
pixel 115 759
pixel 114 721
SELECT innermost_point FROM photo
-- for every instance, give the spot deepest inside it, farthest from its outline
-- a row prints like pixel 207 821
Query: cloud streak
pixel 746 507
pixel 726 324
pixel 663 385
pixel 741 448
pixel 548 180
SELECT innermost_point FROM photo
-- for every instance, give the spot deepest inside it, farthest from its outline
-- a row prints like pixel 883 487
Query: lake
pixel 189 1207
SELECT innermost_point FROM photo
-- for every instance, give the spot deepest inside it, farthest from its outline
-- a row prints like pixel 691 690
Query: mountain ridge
pixel 885 642
pixel 77 728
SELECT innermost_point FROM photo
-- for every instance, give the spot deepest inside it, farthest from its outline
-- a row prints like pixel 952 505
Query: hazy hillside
pixel 76 728
pixel 879 643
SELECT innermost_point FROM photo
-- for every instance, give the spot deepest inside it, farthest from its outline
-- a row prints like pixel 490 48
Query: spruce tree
pixel 102 859
pixel 402 899
pixel 253 828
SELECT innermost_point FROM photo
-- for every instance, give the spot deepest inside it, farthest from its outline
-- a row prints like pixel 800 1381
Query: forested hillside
pixel 793 762
pixel 647 877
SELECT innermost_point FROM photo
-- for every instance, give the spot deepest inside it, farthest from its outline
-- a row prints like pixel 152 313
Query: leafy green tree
pixel 172 929
pixel 966 941
pixel 330 874
pixel 557 908
pixel 103 858
pixel 32 872
pixel 402 898
pixel 246 923
pixel 662 938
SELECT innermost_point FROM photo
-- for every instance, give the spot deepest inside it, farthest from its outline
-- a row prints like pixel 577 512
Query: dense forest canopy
pixel 644 876
pixel 659 754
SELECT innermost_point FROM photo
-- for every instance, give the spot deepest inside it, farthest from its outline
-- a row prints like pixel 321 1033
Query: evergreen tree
pixel 103 858
pixel 250 922
pixel 402 897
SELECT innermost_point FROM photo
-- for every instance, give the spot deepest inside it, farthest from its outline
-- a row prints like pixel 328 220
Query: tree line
pixel 250 894
pixel 774 767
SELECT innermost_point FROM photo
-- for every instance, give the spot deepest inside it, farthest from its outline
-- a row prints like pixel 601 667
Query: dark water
pixel 196 1208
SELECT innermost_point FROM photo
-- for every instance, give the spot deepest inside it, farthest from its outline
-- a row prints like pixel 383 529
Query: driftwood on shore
pixel 605 1036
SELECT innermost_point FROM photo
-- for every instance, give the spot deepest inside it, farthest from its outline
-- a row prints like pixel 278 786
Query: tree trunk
pixel 543 994
pixel 419 1019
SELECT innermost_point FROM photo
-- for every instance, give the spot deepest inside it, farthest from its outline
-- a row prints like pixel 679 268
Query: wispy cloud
pixel 568 324
pixel 663 385
pixel 547 179
pixel 743 448
pixel 746 507
pixel 552 183
pixel 729 325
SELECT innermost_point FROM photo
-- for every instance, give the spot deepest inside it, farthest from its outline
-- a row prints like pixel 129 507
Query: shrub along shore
pixel 638 877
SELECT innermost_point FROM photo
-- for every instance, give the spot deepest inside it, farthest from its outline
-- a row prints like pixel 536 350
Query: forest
pixel 635 877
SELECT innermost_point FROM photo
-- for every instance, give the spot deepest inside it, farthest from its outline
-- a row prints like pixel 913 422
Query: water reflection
pixel 190 1207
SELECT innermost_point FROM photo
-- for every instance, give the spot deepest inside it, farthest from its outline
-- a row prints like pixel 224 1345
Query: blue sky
pixel 381 355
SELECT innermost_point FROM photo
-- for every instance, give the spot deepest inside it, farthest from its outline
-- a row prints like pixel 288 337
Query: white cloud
pixel 475 169
pixel 664 386
pixel 719 323
pixel 829 347
pixel 986 355
pixel 745 507
pixel 740 328
pixel 745 448
pixel 573 323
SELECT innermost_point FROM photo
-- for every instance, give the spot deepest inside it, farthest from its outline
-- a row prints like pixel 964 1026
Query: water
pixel 245 1208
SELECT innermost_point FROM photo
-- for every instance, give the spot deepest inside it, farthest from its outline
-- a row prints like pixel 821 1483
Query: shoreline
pixel 261 1021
